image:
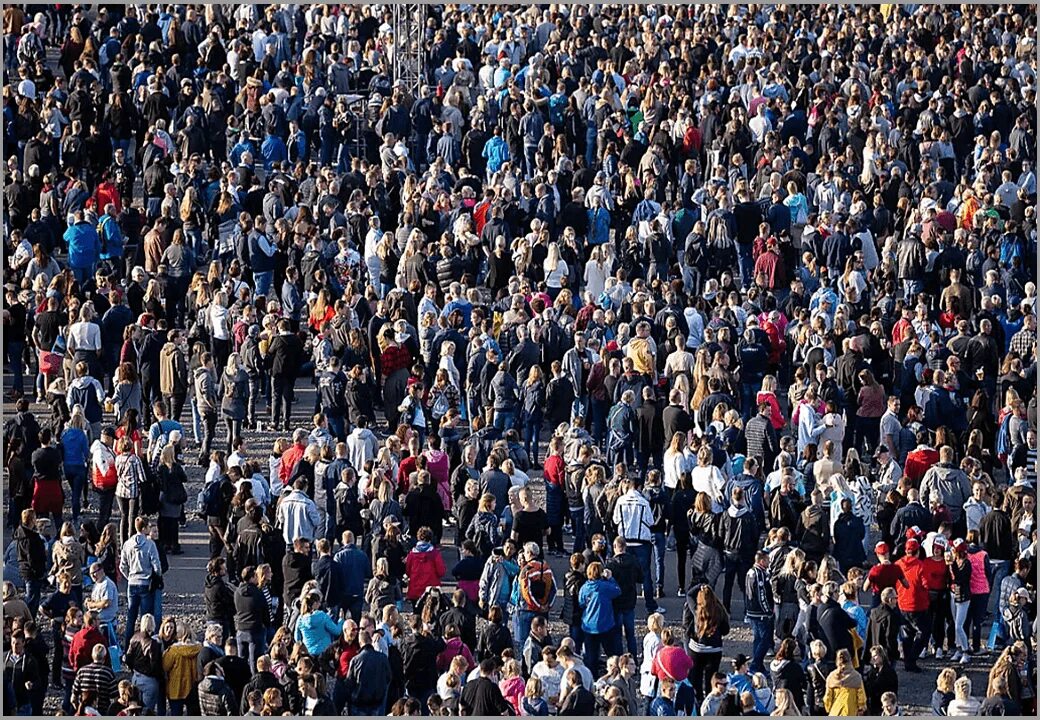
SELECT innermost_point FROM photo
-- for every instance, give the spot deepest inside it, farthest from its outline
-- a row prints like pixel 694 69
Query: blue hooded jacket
pixel 596 599
pixel 84 245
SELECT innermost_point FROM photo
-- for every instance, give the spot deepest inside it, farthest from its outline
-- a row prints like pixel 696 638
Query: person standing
pixel 205 382
pixel 234 398
pixel 32 558
pixel 634 519
pixel 758 608
pixel 130 477
pixel 913 603
pixel 139 563
pixel 284 356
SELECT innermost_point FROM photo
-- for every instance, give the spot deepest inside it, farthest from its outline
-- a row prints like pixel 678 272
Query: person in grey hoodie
pixel 946 483
pixel 138 563
pixel 206 398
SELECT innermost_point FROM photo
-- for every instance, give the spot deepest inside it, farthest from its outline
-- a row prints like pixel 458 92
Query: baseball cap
pixel 959 545
pixel 881 548
pixel 912 545
pixel 913 532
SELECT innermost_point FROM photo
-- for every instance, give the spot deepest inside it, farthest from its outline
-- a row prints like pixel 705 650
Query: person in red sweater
pixel 937 582
pixel 920 459
pixel 82 647
pixel 913 603
pixel 885 574
pixel 292 456
pixel 554 471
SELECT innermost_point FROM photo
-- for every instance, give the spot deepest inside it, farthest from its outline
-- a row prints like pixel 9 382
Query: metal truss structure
pixel 409 54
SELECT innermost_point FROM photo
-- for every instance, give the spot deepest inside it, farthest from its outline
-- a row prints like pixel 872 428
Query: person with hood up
pixel 424 565
pixel 844 694
pixel 297 514
pixel 205 385
pixel 740 534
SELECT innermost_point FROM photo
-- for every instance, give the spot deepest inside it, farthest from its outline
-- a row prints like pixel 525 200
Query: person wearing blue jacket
pixel 596 600
pixel 352 568
pixel 273 151
pixel 315 628
pixel 84 247
pixel 496 152
pixel 599 224
pixel 110 237
pixel 75 450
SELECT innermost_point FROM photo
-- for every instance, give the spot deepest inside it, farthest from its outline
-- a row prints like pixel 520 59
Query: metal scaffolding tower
pixel 409 55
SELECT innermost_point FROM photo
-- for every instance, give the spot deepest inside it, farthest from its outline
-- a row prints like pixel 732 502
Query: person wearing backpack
pixel 534 590
pixel 483 529
pixel 87 392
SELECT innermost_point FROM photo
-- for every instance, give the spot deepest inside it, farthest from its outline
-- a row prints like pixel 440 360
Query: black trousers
pixel 209 429
pixel 281 399
pixel 175 405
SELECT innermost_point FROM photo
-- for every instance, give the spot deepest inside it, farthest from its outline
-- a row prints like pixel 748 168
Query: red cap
pixel 912 545
pixel 144 319
pixel 881 548
pixel 913 532
pixel 959 545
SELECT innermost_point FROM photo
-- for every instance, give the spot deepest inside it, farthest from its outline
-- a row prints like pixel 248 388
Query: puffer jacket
pixel 425 568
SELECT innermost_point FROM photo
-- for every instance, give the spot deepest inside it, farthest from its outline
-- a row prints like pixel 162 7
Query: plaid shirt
pixel 1022 343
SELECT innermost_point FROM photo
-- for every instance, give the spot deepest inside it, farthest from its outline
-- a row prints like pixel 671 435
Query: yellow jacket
pixel 181 672
pixel 845 701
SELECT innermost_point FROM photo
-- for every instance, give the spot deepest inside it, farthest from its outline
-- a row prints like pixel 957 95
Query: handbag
pixel 156 582
pixel 51 362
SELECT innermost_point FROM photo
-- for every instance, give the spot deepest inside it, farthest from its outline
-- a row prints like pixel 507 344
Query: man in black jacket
pixel 758 608
pixel 884 623
pixel 284 356
pixel 237 672
pixel 419 652
pixel 261 681
pixel 296 571
pixel 675 418
pixel 835 623
pixel 252 616
pixel 482 696
pixel 762 441
pixel 219 595
pixel 32 558
pixel 628 574
pixel 368 677
pixel 462 615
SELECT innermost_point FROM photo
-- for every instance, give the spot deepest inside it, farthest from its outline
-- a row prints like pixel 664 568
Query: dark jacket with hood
pixel 740 532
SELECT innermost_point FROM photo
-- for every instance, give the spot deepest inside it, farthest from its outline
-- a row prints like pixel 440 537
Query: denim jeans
pixel 642 553
pixel 578 527
pixel 626 625
pixel 960 620
pixel 504 419
pixel 140 601
pixel 998 570
pixel 149 688
pixel 251 644
pixel 196 421
pixel 15 349
pixel 532 434
pixel 523 619
pixel 761 642
pixel 33 590
pixel 77 476
pixel 660 548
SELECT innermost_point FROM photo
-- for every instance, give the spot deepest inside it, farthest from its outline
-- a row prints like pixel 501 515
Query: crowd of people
pixel 619 303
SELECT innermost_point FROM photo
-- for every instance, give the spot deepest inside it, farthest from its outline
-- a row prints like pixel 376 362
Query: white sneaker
pixel 955 656
pixel 965 659
pixel 938 654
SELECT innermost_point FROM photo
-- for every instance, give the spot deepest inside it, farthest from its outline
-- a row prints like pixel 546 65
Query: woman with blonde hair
pixel 652 644
pixel 69 556
pixel 785 704
pixel 182 672
pixel 556 270
pixel 844 695
pixel 234 384
pixel 768 395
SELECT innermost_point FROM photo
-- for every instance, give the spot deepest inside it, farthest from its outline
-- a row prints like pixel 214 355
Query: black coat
pixel 296 571
pixel 419 653
pixel 220 599
pixel 876 682
pixel 835 624
pixel 789 674
pixel 883 625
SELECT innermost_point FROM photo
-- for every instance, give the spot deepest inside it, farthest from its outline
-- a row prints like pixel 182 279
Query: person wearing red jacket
pixel 920 459
pixel 913 603
pixel 82 647
pixel 424 565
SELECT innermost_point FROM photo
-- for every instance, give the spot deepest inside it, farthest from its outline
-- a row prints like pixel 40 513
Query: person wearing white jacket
pixel 298 514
